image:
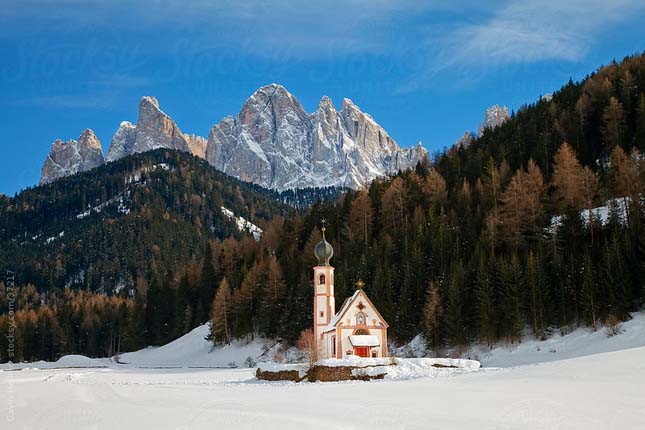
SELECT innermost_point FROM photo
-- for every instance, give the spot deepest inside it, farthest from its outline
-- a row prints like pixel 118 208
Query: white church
pixel 357 329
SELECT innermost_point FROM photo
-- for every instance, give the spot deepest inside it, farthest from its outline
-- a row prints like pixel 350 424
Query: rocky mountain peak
pixel 495 116
pixel 154 129
pixel 88 139
pixel 273 142
pixel 148 101
pixel 72 156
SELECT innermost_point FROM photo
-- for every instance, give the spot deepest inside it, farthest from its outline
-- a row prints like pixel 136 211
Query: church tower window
pixel 321 279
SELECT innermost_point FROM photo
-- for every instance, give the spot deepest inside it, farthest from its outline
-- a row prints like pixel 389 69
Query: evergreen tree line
pixel 539 224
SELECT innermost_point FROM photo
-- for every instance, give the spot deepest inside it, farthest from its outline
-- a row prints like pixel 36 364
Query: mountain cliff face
pixel 73 156
pixel 154 129
pixel 495 116
pixel 273 142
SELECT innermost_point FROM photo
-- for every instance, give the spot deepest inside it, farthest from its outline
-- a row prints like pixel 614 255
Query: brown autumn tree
pixel 521 203
pixel 360 217
pixel 434 188
pixel 246 299
pixel 622 172
pixel 274 290
pixel 393 204
pixel 220 330
pixel 432 314
pixel 590 191
pixel 613 123
pixel 307 343
pixel 568 180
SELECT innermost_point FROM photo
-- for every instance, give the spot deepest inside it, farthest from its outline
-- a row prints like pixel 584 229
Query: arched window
pixel 360 318
pixel 361 332
pixel 321 279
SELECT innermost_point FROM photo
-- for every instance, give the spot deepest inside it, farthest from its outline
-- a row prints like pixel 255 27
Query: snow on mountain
pixel 123 142
pixel 243 224
pixel 600 214
pixel 73 156
pixel 273 142
pixel 495 116
pixel 154 129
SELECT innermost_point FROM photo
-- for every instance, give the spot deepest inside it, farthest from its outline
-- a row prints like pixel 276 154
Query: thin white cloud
pixel 524 32
pixel 296 28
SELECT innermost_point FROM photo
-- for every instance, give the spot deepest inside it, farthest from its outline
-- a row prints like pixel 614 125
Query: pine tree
pixel 432 315
pixel 485 297
pixel 434 188
pixel 360 218
pixel 534 284
pixel 614 124
pixel 521 202
pixel 207 284
pixel 568 180
pixel 589 299
pixel 273 294
pixel 246 300
pixel 455 321
pixel 220 327
pixel 511 298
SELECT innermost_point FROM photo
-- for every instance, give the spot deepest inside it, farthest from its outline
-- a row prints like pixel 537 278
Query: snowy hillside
pixel 580 342
pixel 193 350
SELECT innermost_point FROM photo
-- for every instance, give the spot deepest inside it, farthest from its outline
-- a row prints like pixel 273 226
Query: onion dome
pixel 323 250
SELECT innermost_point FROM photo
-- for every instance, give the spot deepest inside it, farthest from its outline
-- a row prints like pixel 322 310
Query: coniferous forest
pixel 538 225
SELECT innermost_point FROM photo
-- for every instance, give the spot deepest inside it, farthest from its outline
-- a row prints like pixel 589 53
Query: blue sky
pixel 424 70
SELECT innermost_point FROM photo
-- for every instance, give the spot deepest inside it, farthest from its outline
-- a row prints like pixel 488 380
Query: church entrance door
pixel 362 351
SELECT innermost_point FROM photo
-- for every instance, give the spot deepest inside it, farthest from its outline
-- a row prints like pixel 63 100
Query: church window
pixel 360 318
pixel 322 314
pixel 333 346
pixel 321 279
pixel 361 332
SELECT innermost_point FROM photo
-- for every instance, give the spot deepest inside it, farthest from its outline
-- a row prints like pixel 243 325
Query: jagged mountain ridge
pixel 275 143
pixel 73 156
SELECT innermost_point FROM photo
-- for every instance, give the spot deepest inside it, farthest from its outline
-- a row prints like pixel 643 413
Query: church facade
pixel 357 328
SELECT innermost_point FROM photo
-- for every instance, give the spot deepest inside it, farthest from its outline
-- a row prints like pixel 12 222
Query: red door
pixel 362 351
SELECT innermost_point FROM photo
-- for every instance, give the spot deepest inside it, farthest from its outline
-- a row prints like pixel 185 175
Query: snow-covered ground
pixel 193 350
pixel 602 391
pixel 171 387
pixel 580 342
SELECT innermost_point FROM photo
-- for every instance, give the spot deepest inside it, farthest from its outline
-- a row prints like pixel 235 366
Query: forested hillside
pixel 101 229
pixel 487 240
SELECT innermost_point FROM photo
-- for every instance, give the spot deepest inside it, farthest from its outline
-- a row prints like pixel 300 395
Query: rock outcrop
pixel 72 156
pixel 273 142
pixel 495 116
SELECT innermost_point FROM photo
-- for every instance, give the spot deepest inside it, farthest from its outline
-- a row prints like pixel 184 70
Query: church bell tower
pixel 324 301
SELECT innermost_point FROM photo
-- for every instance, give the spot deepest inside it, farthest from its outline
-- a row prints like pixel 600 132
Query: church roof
pixel 364 340
pixel 345 307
